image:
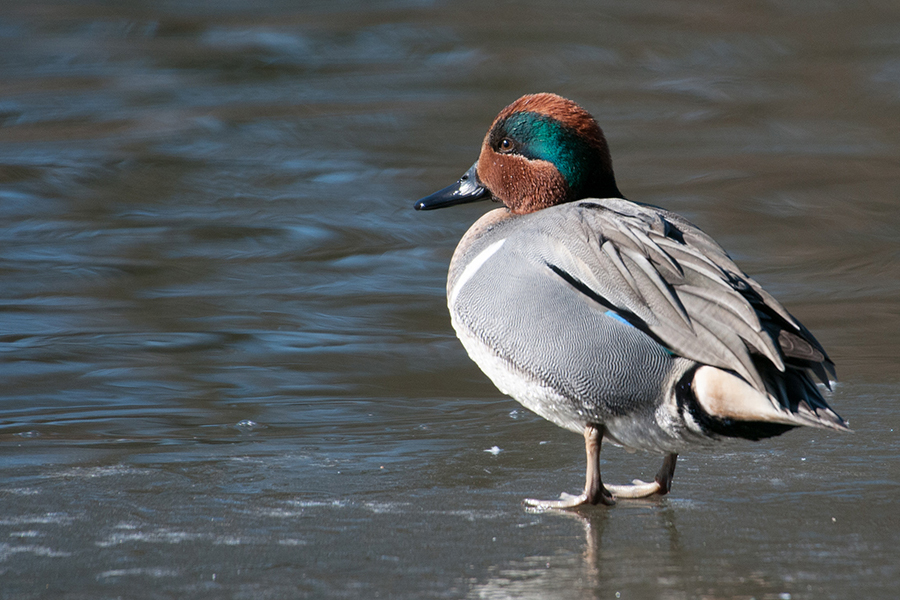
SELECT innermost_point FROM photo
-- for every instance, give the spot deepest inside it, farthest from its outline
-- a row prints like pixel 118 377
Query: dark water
pixel 228 370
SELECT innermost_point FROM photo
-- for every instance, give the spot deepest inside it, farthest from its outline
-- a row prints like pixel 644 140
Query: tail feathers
pixel 803 351
pixel 800 396
pixel 792 399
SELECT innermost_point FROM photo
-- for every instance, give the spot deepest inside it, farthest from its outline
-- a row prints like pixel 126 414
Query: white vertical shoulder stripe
pixel 472 268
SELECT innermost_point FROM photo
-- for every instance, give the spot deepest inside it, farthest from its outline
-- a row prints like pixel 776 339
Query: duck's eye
pixel 506 145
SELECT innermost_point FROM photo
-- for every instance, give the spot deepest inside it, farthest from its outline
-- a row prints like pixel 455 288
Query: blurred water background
pixel 227 365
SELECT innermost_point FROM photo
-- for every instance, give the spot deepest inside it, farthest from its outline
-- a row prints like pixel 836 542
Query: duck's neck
pixel 601 185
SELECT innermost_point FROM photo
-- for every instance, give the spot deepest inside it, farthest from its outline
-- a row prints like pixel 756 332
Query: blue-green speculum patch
pixel 541 137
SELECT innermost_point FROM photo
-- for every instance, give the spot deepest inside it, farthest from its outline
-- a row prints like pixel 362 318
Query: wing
pixel 667 278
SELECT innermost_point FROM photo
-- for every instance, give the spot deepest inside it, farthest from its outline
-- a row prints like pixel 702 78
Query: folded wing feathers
pixel 691 294
pixel 729 347
pixel 655 287
pixel 796 347
pixel 665 263
pixel 735 315
pixel 613 255
pixel 773 304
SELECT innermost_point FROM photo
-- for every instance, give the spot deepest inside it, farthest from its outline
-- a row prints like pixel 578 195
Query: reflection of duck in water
pixel 619 320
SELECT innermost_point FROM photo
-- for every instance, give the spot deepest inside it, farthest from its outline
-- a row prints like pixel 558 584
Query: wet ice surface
pixel 405 518
pixel 228 368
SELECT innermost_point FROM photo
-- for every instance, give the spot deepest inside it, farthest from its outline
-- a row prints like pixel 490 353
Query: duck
pixel 618 320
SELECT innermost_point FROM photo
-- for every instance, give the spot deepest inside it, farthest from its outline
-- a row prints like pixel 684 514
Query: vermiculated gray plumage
pixel 608 303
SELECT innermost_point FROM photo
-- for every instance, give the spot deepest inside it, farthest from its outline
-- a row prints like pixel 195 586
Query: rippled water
pixel 228 367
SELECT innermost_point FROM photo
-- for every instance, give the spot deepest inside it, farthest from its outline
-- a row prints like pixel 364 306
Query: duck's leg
pixel 641 489
pixel 594 492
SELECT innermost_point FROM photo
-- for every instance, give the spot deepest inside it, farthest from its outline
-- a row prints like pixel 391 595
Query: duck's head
pixel 541 150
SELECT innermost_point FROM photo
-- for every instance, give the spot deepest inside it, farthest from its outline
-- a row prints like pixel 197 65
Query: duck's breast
pixel 541 339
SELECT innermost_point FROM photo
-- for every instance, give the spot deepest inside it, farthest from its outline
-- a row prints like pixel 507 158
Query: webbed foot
pixel 636 489
pixel 572 501
pixel 641 489
pixel 594 490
